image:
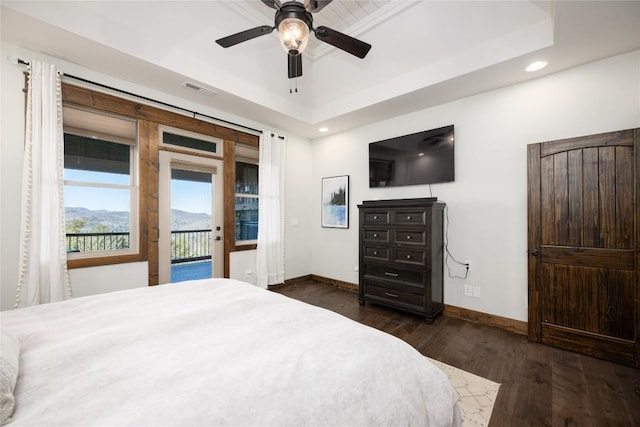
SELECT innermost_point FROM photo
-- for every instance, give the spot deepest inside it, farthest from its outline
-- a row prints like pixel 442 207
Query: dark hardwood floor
pixel 540 385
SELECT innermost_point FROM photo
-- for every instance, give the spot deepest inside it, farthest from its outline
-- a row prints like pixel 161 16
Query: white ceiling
pixel 424 52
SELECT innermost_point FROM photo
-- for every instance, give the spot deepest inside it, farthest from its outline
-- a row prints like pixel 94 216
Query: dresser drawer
pixel 393 295
pixel 376 253
pixel 392 273
pixel 410 257
pixel 381 217
pixel 410 217
pixel 378 236
pixel 411 237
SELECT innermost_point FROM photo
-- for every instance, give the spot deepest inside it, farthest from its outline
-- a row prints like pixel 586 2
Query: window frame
pixel 132 187
pixel 84 259
pixel 248 196
pixel 162 129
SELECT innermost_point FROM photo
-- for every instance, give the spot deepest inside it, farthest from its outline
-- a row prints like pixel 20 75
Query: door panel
pixel 187 162
pixel 583 282
pixel 597 300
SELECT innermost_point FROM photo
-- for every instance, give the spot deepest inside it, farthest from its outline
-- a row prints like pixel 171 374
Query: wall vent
pixel 198 88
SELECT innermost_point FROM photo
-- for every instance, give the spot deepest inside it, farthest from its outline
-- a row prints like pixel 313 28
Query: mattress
pixel 216 352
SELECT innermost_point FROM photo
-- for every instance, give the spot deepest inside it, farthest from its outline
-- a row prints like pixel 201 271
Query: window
pixel 100 184
pixel 246 210
pixel 190 141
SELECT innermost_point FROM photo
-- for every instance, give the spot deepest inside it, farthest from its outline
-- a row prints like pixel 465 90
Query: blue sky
pixel 191 196
pixel 187 196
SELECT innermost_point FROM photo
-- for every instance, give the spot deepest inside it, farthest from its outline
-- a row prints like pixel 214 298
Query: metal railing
pixel 190 245
pixel 187 245
pixel 97 242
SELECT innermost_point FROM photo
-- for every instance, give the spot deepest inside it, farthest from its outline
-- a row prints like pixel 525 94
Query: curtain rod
pixel 194 113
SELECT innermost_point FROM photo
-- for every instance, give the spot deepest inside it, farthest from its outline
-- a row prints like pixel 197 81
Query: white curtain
pixel 270 251
pixel 43 273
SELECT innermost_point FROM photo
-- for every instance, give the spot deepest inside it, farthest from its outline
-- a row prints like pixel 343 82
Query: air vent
pixel 198 88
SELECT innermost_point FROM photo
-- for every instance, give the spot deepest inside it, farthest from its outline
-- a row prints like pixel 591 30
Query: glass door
pixel 190 244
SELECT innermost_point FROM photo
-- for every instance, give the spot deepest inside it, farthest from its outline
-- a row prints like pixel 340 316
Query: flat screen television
pixel 420 158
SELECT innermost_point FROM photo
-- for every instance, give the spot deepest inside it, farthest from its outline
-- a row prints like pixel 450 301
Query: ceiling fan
pixel 294 22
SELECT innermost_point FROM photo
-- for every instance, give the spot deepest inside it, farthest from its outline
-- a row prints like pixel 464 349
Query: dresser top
pixel 424 201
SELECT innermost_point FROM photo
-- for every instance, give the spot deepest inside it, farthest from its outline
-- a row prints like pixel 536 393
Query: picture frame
pixel 335 202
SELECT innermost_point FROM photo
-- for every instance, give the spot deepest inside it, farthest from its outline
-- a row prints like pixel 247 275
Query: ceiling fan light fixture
pixel 294 34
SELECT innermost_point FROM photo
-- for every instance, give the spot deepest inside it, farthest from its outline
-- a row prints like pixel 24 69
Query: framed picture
pixel 335 201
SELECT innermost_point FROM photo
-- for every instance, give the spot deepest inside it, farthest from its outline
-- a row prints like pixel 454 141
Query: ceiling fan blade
pixel 343 41
pixel 243 36
pixel 273 4
pixel 295 65
pixel 315 5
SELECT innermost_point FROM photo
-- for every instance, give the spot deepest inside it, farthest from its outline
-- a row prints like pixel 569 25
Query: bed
pixel 215 352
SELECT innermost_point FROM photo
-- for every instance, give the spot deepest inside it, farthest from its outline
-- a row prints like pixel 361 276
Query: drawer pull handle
pixel 386 273
pixel 389 294
pixel 408 237
pixel 409 217
pixel 375 217
pixel 375 235
pixel 408 256
pixel 375 252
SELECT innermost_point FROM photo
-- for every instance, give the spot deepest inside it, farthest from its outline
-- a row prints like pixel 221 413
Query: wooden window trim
pixel 230 206
pixel 149 118
pixel 89 98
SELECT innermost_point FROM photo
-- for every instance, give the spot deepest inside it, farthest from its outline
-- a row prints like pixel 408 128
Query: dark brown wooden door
pixel 583 244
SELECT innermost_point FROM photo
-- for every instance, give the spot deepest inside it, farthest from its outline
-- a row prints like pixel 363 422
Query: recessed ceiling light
pixel 535 66
pixel 323 129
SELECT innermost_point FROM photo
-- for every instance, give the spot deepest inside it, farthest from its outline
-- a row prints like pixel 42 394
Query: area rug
pixel 476 395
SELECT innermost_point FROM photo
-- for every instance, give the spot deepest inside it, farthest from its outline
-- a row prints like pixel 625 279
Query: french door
pixel 190 217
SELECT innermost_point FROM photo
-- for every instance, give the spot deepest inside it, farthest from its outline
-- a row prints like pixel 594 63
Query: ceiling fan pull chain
pixel 293 85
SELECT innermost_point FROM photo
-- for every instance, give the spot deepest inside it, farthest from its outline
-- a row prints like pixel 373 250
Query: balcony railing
pixel 187 245
pixel 190 245
pixel 97 242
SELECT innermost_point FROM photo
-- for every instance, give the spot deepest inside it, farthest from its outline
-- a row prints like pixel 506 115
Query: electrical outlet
pixel 476 291
pixel 468 290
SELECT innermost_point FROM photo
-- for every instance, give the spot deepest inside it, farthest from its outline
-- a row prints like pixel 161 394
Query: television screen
pixel 420 158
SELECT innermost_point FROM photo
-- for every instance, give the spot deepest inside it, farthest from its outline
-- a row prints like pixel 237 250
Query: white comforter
pixel 216 352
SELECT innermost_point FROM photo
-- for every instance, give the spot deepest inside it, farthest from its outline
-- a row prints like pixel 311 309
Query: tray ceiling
pixel 424 52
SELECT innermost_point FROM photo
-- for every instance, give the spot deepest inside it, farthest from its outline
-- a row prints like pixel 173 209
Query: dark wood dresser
pixel 402 254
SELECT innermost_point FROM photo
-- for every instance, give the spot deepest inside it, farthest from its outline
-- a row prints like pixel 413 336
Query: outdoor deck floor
pixel 190 271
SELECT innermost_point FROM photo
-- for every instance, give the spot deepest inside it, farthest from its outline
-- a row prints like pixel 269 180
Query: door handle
pixel 533 252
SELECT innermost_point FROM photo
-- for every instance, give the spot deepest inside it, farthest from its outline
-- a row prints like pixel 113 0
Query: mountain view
pixel 82 220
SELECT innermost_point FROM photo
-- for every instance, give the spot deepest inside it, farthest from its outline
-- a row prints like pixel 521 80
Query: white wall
pixel 487 203
pixel 11 143
pixel 242 266
pixel 123 276
pixel 108 278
